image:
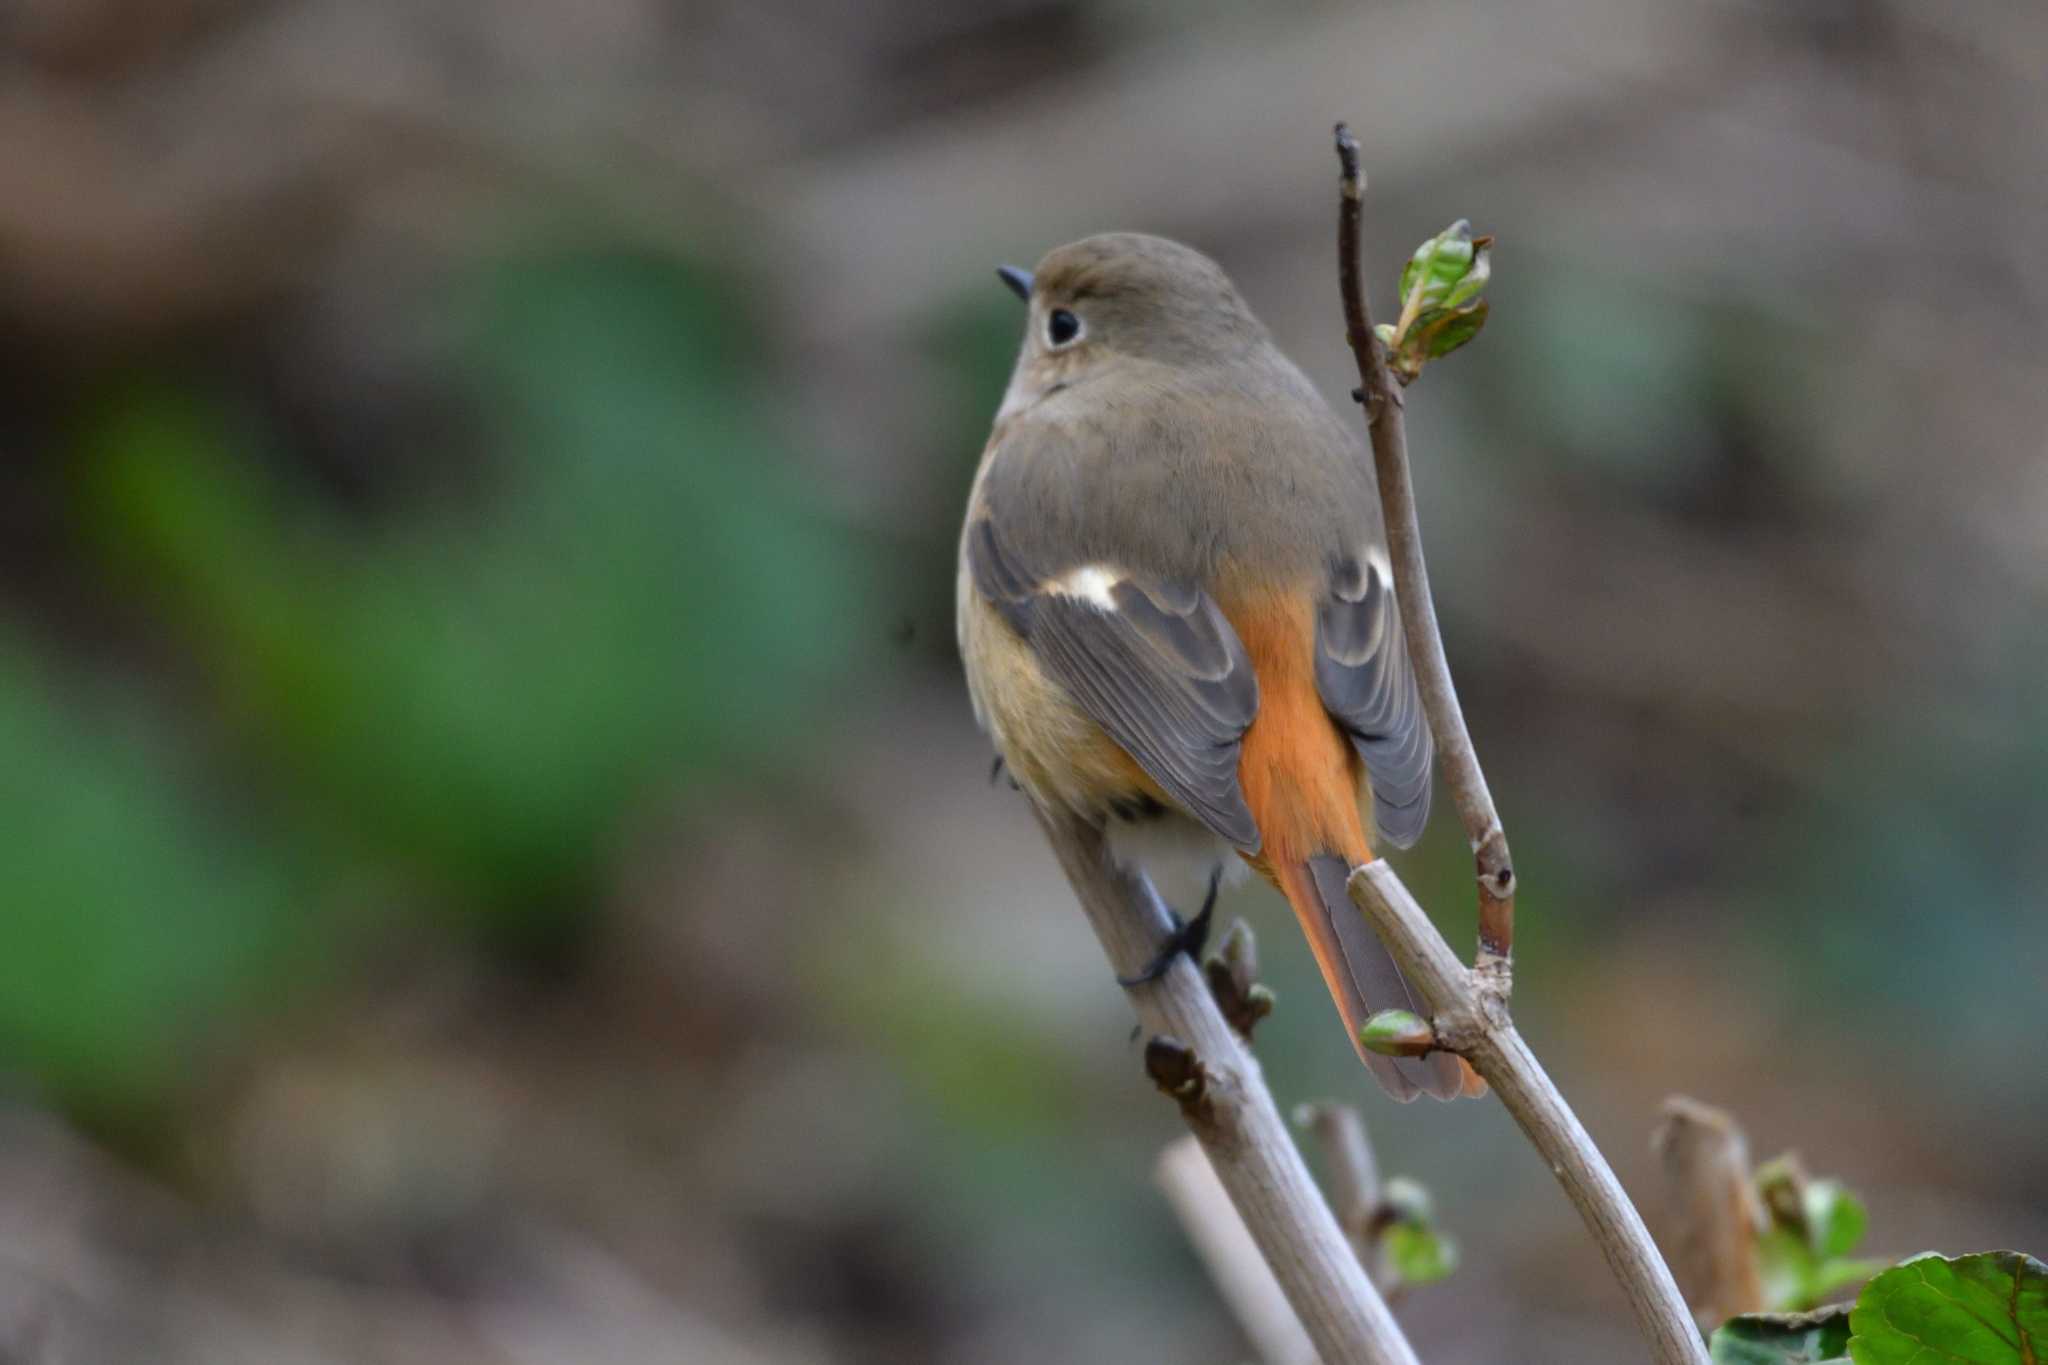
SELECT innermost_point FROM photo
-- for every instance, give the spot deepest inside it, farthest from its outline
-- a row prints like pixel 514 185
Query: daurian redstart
pixel 1174 607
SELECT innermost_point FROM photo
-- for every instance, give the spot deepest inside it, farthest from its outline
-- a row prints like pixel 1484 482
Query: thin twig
pixel 1470 1007
pixel 1353 1174
pixel 1220 1238
pixel 1458 759
pixel 1247 1142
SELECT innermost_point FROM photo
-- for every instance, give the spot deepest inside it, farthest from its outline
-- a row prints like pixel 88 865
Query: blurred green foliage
pixel 1413 1248
pixel 472 699
pixel 136 921
pixel 1804 1255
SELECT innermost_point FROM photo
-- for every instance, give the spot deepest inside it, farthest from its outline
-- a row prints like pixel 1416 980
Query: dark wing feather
pixel 1363 675
pixel 1160 670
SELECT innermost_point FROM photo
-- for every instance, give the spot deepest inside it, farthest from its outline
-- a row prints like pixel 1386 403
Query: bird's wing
pixel 1152 661
pixel 1363 674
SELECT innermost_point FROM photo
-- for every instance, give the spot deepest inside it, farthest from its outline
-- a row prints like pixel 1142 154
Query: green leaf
pixel 1418 1253
pixel 1986 1309
pixel 1412 1248
pixel 1440 305
pixel 1786 1265
pixel 1795 1281
pixel 1834 1218
pixel 1440 266
pixel 1441 331
pixel 1782 1338
pixel 1476 274
pixel 1814 1224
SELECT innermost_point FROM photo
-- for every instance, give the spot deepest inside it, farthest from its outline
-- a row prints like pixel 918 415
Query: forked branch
pixel 1476 1026
pixel 1457 759
pixel 1470 1005
pixel 1195 1055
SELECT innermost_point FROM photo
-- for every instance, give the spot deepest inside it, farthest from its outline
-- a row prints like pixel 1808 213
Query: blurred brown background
pixel 498 864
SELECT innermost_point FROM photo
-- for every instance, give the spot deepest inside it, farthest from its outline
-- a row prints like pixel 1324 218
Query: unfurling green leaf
pixel 1834 1218
pixel 1413 1250
pixel 1418 1254
pixel 1441 307
pixel 1442 332
pixel 1446 270
pixel 1814 1224
pixel 1987 1309
pixel 1476 275
pixel 1795 1279
pixel 1397 1033
pixel 1783 1338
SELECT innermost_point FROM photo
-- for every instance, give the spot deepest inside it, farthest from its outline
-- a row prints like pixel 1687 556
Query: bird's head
pixel 1121 297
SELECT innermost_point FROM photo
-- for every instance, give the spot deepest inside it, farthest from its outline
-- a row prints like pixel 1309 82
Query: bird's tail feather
pixel 1362 977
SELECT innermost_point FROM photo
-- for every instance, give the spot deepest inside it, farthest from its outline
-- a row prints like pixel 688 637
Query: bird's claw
pixel 1188 936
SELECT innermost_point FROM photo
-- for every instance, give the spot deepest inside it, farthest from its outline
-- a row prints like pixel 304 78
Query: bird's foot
pixel 1188 936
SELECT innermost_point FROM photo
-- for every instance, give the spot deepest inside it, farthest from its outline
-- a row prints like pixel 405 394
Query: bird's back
pixel 1181 471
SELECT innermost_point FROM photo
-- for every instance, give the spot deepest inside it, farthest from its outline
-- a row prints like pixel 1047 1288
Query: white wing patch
pixel 1090 583
pixel 1390 621
pixel 1377 557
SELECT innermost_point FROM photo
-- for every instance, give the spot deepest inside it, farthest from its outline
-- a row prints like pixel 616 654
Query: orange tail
pixel 1361 975
pixel 1303 782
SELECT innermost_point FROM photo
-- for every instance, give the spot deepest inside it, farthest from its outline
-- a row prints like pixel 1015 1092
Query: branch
pixel 1470 1006
pixel 1233 1260
pixel 1223 1096
pixel 1458 759
pixel 1475 1025
pixel 1354 1175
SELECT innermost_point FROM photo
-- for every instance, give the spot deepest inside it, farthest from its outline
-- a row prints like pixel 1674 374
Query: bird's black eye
pixel 1062 327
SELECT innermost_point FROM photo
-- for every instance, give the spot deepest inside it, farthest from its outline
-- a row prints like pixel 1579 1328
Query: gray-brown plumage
pixel 1172 598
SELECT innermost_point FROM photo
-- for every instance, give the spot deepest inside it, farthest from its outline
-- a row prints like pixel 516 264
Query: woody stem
pixel 1458 760
pixel 1470 1005
pixel 1476 1026
pixel 1226 1104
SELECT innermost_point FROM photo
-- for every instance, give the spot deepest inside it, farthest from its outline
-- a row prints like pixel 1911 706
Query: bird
pixel 1177 615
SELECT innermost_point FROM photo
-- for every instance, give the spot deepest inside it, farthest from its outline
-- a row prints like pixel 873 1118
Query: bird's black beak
pixel 1018 280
